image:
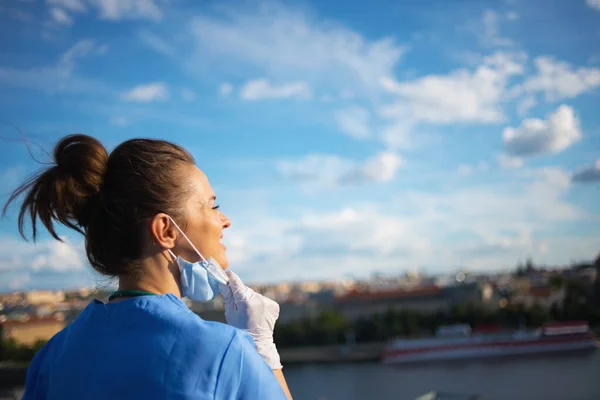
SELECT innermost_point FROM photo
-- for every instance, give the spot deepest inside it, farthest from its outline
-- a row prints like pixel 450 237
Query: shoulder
pixel 192 326
pixel 36 375
pixel 192 335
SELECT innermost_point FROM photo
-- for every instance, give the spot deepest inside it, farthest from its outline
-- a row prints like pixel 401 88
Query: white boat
pixel 459 342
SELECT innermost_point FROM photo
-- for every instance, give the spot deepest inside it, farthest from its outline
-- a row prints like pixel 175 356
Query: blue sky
pixel 341 138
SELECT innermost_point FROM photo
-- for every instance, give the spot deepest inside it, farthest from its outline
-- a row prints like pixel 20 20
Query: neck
pixel 141 285
pixel 156 277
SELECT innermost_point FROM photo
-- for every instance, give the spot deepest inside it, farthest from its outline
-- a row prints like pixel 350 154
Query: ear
pixel 163 232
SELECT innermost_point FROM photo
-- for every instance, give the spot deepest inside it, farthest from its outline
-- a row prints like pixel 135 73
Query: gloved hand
pixel 256 314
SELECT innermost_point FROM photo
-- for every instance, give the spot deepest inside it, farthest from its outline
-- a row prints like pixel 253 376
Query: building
pixel 357 304
pixel 480 293
pixel 424 299
pixel 545 297
pixel 597 282
pixel 30 330
pixel 290 311
pixel 36 297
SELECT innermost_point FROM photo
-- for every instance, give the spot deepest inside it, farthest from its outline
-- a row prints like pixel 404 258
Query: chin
pixel 223 262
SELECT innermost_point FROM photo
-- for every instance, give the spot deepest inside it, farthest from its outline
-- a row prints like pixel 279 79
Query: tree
pixel 557 281
pixel 555 313
pixel 529 267
pixel 537 316
pixel 520 272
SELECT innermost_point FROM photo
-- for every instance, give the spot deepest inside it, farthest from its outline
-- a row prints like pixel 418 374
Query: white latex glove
pixel 256 314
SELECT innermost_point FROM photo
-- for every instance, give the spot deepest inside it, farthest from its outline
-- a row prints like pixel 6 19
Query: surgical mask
pixel 199 280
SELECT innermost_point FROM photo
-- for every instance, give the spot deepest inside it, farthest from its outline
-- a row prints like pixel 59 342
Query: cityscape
pixel 33 316
pixel 415 183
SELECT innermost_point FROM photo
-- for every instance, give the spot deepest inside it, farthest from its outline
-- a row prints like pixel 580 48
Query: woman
pixel 149 218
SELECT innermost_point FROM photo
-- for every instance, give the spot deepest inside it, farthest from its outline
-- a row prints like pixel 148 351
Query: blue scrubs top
pixel 149 347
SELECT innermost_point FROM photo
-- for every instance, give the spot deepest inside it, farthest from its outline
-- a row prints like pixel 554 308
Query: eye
pixel 216 207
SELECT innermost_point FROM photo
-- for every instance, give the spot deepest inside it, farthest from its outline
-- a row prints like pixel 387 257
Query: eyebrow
pixel 207 201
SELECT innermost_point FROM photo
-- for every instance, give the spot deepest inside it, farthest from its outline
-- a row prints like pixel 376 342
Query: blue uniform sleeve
pixel 34 385
pixel 244 375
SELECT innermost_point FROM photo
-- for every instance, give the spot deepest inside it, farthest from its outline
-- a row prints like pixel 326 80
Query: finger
pixel 234 280
pixel 273 308
pixel 238 288
pixel 225 290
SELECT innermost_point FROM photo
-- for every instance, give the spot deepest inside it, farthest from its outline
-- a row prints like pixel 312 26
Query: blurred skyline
pixel 341 139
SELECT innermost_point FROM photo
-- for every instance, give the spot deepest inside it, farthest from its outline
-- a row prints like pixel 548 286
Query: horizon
pixel 363 279
pixel 341 139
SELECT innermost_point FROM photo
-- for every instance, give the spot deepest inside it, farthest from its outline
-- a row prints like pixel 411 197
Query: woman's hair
pixel 108 198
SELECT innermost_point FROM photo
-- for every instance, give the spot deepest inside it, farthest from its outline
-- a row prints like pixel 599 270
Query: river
pixel 558 377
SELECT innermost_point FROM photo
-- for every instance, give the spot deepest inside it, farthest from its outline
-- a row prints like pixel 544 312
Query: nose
pixel 226 222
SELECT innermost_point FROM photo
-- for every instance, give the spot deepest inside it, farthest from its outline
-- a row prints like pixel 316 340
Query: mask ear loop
pixel 217 273
pixel 186 238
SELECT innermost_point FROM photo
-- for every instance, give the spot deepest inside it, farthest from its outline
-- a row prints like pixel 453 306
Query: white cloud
pixel 155 91
pixel 11 177
pixel 17 14
pixel 372 232
pixel 595 4
pixel 48 255
pixel 382 167
pixel 47 263
pixel 225 89
pixel 525 105
pixel 486 226
pixel 354 121
pixel 590 173
pixel 102 50
pixel 397 135
pixel 512 16
pixel 467 169
pixel 352 239
pixel 263 89
pixel 59 15
pixel 80 50
pixel 113 10
pixel 72 5
pixel 287 44
pixel 57 256
pixel 347 94
pixel 188 94
pixel 60 76
pixel 559 80
pixel 535 136
pixel 461 96
pixel 491 35
pixel 119 121
pixel 507 161
pixel 156 43
pixel 122 9
pixel 320 170
pixel 476 95
pixel 283 43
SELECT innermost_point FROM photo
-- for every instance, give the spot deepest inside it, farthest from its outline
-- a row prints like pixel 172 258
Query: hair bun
pixel 81 163
pixel 67 192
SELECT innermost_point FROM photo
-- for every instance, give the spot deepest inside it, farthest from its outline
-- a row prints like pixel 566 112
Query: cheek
pixel 212 221
pixel 206 230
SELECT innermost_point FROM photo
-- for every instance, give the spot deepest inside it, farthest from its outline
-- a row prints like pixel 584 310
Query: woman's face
pixel 205 223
